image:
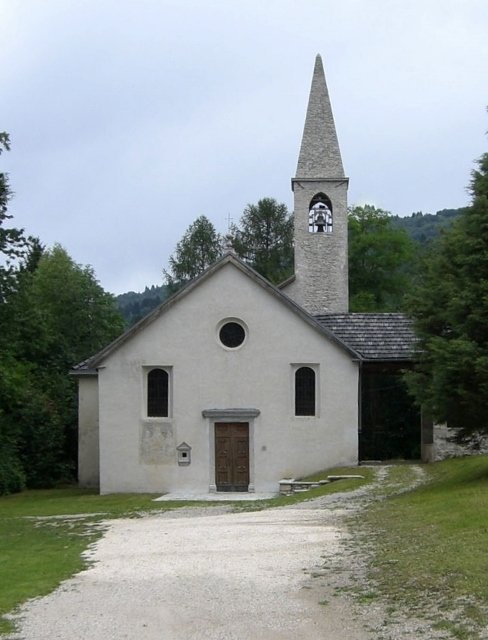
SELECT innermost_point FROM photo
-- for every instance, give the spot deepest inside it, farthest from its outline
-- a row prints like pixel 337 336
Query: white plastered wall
pixel 138 453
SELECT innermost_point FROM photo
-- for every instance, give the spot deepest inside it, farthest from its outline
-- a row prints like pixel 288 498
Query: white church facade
pixel 229 386
pixel 233 384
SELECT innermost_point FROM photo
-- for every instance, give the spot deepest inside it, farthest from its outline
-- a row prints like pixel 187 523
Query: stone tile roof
pixel 375 336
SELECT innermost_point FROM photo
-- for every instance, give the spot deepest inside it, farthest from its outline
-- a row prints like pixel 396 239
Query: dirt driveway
pixel 207 574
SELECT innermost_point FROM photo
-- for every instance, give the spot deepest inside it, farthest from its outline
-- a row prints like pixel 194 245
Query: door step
pixel 289 486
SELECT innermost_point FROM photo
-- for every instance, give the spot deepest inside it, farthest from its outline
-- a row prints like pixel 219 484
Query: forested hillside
pixel 420 227
pixel 134 306
pixel 424 227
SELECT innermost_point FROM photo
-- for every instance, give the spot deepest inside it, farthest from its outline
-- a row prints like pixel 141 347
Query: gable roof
pixel 90 365
pixel 375 336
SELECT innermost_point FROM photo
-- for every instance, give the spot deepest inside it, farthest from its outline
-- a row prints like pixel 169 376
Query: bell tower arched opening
pixel 320 219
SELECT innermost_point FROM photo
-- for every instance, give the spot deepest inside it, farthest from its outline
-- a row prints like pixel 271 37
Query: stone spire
pixel 320 284
pixel 320 156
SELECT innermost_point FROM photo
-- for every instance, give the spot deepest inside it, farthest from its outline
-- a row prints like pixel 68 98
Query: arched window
pixel 304 392
pixel 157 393
pixel 320 214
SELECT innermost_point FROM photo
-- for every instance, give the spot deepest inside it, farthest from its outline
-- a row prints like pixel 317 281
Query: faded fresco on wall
pixel 157 444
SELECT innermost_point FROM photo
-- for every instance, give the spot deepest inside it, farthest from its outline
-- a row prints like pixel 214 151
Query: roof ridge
pixel 228 257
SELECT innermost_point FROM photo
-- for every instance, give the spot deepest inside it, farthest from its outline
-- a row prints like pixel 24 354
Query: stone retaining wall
pixel 444 447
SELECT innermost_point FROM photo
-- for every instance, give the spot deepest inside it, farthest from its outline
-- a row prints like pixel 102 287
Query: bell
pixel 320 222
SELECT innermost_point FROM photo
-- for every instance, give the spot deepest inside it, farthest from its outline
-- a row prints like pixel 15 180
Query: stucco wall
pixel 138 453
pixel 88 451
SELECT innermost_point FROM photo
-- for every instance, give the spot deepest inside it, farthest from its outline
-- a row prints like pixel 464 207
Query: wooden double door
pixel 232 456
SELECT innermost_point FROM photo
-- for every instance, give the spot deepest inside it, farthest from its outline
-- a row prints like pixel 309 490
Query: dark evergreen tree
pixel 200 247
pixel 264 239
pixel 12 477
pixel 450 307
pixel 12 240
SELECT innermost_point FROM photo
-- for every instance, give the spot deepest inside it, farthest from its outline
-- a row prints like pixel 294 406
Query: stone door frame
pixel 229 415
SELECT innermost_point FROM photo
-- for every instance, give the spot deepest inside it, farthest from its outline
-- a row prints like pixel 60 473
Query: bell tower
pixel 320 284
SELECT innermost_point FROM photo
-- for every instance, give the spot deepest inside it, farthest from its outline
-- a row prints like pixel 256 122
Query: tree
pixel 200 247
pixel 12 241
pixel 78 316
pixel 75 319
pixel 12 477
pixel 379 260
pixel 264 239
pixel 66 317
pixel 450 307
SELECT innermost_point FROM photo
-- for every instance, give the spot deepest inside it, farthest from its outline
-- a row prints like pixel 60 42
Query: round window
pixel 232 335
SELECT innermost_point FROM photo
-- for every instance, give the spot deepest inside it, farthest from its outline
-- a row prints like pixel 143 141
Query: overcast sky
pixel 129 119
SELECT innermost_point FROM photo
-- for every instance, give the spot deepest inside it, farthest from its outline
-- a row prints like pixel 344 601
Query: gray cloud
pixel 129 119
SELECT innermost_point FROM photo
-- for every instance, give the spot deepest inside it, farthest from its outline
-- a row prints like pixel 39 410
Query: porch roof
pixel 375 336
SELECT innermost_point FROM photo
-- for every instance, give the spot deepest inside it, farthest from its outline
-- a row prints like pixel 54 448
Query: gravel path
pixel 204 574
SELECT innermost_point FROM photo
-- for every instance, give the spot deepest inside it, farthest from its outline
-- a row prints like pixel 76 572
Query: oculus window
pixel 158 393
pixel 305 391
pixel 232 334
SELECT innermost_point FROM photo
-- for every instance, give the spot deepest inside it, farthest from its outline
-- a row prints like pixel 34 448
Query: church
pixel 233 383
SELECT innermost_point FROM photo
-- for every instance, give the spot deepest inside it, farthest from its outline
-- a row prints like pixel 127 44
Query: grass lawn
pixel 43 533
pixel 38 550
pixel 430 546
